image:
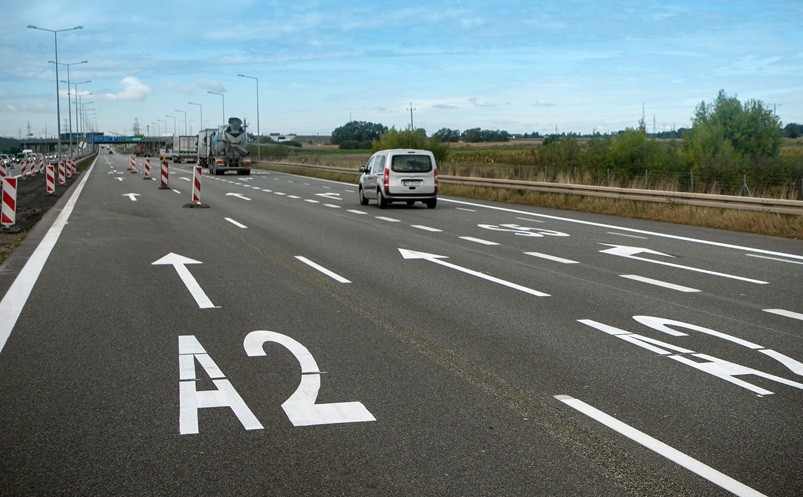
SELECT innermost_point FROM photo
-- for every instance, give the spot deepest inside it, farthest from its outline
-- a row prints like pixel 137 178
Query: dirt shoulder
pixel 32 203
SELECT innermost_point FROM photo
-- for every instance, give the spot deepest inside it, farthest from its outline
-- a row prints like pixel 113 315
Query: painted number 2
pixel 300 408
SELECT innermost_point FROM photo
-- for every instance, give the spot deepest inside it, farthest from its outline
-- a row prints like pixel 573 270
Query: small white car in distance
pixel 400 175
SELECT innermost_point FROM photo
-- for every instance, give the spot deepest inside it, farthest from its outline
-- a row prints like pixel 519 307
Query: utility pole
pixel 411 109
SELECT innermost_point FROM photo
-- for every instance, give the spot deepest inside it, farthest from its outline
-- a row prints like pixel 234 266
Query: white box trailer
pixel 185 148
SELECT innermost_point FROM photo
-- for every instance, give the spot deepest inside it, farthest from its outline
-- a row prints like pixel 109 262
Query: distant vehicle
pixel 224 149
pixel 6 159
pixel 399 175
pixel 140 149
pixel 185 148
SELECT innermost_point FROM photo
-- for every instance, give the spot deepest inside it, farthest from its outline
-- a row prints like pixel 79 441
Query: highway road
pixel 289 341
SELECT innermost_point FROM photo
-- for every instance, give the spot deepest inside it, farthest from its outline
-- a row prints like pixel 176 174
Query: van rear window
pixel 411 164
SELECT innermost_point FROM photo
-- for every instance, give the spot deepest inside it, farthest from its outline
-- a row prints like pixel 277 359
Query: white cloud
pixel 132 89
pixel 478 102
pixel 544 103
pixel 208 84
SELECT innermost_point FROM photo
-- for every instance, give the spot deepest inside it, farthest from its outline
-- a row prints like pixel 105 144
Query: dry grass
pixel 761 223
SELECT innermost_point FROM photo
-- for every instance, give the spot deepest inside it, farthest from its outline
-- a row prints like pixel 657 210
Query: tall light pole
pixel 174 123
pixel 201 108
pixel 77 103
pixel 185 119
pixel 69 96
pixel 259 135
pixel 223 98
pixel 58 100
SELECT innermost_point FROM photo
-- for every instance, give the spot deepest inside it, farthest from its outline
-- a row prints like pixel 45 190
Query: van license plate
pixel 412 182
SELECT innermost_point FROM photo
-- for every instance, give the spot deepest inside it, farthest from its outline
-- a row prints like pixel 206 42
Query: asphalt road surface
pixel 289 341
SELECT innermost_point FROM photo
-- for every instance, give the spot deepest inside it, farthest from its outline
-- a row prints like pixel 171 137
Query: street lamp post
pixel 259 136
pixel 185 119
pixel 77 124
pixel 201 108
pixel 58 100
pixel 174 123
pixel 69 96
pixel 223 99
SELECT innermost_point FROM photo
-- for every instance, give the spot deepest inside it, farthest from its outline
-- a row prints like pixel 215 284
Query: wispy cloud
pixel 478 102
pixel 208 84
pixel 544 103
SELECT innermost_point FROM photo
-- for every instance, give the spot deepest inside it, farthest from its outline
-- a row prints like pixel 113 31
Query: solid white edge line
pixel 720 479
pixel 551 258
pixel 235 223
pixel 17 295
pixel 322 269
pixel 664 284
pixel 785 313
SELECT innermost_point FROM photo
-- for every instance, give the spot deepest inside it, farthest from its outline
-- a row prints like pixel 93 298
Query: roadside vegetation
pixel 732 148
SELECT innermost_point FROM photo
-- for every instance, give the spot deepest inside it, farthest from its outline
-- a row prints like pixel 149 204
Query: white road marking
pixel 664 284
pixel 311 201
pixel 437 259
pixel 293 196
pixel 267 191
pixel 279 193
pixel 426 228
pixel 176 191
pixel 463 209
pixel 388 219
pixel 132 196
pixel 631 230
pixel 551 258
pixel 322 269
pixel 628 236
pixel 17 295
pixel 530 220
pixel 333 206
pixel 179 262
pixel 785 313
pixel 353 211
pixel 773 258
pixel 478 240
pixel 720 479
pixel 235 223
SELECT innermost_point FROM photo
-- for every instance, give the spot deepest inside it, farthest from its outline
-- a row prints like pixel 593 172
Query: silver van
pixel 400 175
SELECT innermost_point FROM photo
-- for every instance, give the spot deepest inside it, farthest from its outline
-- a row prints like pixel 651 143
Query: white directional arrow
pixel 132 196
pixel 238 195
pixel 180 263
pixel 437 259
pixel 119 179
pixel 631 252
pixel 333 195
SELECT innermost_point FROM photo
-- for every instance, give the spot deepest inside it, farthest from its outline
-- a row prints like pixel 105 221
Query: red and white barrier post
pixel 24 168
pixel 41 163
pixel 73 166
pixel 165 180
pixel 68 168
pixel 50 179
pixel 133 164
pixel 196 184
pixel 3 172
pixel 147 168
pixel 62 173
pixel 8 210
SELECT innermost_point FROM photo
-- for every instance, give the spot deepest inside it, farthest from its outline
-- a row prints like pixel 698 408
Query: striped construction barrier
pixel 147 168
pixel 73 166
pixel 41 164
pixel 196 184
pixel 132 164
pixel 8 210
pixel 24 168
pixel 50 179
pixel 68 168
pixel 165 180
pixel 62 173
pixel 3 172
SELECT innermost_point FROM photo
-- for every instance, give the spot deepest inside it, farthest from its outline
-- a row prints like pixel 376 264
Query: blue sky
pixel 519 66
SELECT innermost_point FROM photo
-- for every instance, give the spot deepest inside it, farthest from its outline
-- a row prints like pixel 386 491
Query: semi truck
pixel 185 148
pixel 223 149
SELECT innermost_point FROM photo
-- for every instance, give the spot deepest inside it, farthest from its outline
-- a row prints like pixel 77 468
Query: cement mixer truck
pixel 223 149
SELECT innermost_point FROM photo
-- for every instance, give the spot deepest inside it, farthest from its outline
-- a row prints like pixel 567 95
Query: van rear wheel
pixel 363 199
pixel 381 200
pixel 431 203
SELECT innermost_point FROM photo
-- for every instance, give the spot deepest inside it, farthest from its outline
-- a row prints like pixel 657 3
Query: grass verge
pixel 761 223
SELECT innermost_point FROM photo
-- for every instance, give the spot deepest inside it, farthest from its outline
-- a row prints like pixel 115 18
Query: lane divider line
pixel 720 479
pixel 323 270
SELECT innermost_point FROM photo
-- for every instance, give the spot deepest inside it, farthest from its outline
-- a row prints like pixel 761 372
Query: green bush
pixel 410 140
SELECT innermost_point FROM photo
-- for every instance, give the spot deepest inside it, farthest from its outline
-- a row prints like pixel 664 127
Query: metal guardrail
pixel 777 206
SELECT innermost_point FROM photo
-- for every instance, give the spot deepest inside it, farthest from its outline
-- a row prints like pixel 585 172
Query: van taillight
pixel 436 181
pixel 386 180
